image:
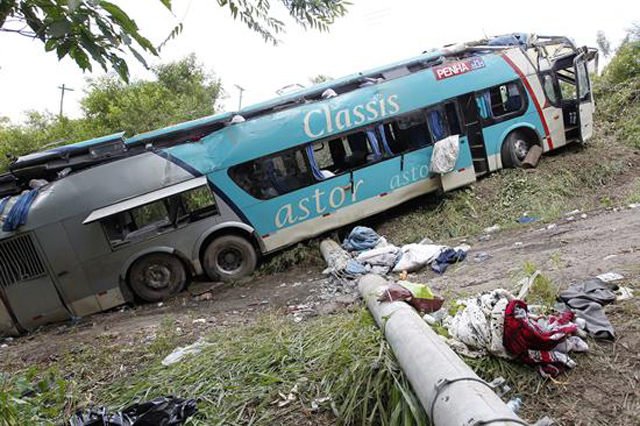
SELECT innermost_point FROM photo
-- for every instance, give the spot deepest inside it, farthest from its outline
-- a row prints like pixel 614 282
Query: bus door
pixel 583 98
pixel 473 130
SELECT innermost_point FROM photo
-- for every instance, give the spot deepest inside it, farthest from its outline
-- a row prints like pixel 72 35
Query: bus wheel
pixel 157 276
pixel 515 149
pixel 229 257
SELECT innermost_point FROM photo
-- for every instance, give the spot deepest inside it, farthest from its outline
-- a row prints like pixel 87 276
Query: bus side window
pixel 453 118
pixel 550 88
pixel 437 123
pixel 505 99
pixel 196 203
pixel 411 131
pixel 277 174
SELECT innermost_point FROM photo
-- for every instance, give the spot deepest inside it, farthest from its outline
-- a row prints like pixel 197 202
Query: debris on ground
pixel 180 352
pixel 481 256
pixel 610 277
pixel 532 158
pixel 448 257
pixel 528 219
pixel 361 238
pixel 160 411
pixel 419 296
pixel 364 252
pixel 492 229
pixel 587 300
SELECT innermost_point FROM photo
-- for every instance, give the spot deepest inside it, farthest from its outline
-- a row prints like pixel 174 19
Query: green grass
pixel 240 378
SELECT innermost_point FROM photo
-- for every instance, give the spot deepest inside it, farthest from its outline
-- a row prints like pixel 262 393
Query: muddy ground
pixel 603 390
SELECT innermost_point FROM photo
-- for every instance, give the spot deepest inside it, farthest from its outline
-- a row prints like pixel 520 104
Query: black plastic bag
pixel 164 411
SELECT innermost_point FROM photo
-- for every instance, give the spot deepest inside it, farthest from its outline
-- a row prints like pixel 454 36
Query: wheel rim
pixel 157 276
pixel 229 260
pixel 521 148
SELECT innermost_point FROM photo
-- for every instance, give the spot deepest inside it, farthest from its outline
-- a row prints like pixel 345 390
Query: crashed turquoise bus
pixel 95 224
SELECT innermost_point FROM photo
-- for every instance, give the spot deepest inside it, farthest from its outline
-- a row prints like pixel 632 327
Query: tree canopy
pixel 99 31
pixel 181 91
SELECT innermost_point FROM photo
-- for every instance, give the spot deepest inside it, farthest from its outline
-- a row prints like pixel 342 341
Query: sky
pixel 373 33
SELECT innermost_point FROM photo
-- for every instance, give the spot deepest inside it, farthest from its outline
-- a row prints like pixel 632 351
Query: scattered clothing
pixel 587 300
pixel 415 256
pixel 355 268
pixel 447 257
pixel 165 411
pixel 385 257
pixel 361 238
pixel 477 328
pixel 534 340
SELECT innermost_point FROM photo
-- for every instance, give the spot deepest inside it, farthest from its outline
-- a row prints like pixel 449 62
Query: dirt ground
pixel 603 390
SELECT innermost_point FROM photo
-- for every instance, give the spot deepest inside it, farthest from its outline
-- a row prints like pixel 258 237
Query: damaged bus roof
pixel 48 164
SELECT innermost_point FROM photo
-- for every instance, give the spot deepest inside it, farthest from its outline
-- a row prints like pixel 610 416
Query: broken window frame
pixel 491 120
pixel 177 216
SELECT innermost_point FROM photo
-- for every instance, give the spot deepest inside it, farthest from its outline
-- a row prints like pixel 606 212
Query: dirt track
pixel 604 389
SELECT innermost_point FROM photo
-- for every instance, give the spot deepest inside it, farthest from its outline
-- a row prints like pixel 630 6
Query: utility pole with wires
pixel 242 90
pixel 63 89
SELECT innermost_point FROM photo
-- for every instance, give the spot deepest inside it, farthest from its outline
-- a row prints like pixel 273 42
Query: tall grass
pixel 341 362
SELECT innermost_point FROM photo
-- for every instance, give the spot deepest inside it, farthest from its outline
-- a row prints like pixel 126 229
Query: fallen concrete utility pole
pixel 450 392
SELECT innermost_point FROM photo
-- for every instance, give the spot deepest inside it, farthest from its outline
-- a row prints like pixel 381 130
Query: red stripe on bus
pixel 266 236
pixel 532 95
pixel 383 194
pixel 326 214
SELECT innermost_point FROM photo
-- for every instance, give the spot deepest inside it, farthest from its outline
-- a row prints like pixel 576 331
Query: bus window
pixel 437 123
pixel 452 118
pixel 150 215
pixel 197 203
pixel 483 101
pixel 412 131
pixel 277 174
pixel 550 88
pixel 505 99
pixel 158 216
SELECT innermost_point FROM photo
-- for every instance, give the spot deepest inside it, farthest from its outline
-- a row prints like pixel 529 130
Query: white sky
pixel 374 32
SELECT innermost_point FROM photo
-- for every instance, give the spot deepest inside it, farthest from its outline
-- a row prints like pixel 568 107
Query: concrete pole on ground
pixel 450 392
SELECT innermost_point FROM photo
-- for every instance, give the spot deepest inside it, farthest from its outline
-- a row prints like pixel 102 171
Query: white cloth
pixel 415 256
pixel 380 256
pixel 445 155
pixel 480 325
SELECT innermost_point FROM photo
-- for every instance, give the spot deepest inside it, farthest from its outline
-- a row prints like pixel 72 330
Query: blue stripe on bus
pixel 196 173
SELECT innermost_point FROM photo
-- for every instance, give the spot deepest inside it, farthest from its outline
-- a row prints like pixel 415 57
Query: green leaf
pixel 166 3
pixel 59 28
pixel 80 57
pixel 119 17
pixel 139 57
pixel 63 49
pixel 50 44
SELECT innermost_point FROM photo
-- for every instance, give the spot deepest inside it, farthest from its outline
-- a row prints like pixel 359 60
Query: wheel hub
pixel 521 149
pixel 230 259
pixel 157 276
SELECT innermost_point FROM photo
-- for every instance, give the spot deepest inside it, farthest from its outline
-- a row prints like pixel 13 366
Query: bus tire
pixel 157 276
pixel 515 149
pixel 229 257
